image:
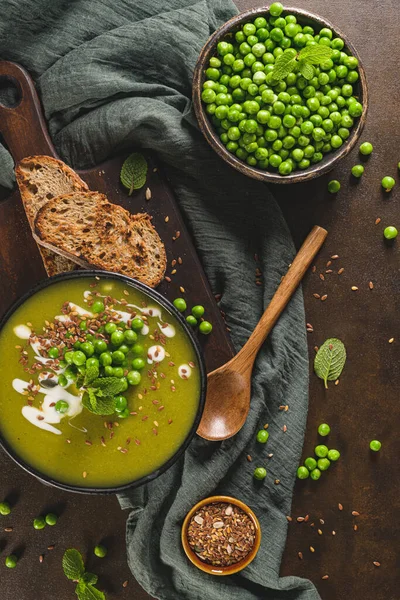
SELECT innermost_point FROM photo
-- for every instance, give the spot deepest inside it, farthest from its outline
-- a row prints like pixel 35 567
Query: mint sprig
pixel 303 60
pixel 98 404
pixel 330 360
pixel 74 569
pixel 134 172
pixel 98 393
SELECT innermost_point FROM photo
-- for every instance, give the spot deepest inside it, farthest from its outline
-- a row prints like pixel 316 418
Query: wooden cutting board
pixel 24 132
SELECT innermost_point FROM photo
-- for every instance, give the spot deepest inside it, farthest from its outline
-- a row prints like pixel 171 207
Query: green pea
pixel 62 380
pixel 108 371
pixel 39 523
pixel 303 473
pixel 87 348
pixel 100 551
pixel 390 232
pixel 366 148
pixel 62 407
pixel 134 377
pixel 124 348
pixel 124 414
pixel 315 474
pixel 11 561
pixel 79 358
pixel 180 304
pixel 83 325
pixel 357 170
pixel 310 463
pixel 70 373
pixel 260 473
pixel 99 346
pixel 92 362
pixel 276 9
pixel 98 305
pixel 68 356
pixel 118 357
pixel 105 359
pixel 117 338
pixel 191 320
pixel 321 451
pixel 375 445
pixel 51 519
pixel 205 327
pixel 137 324
pixel 53 352
pixel 138 364
pixel 323 464
pixel 388 183
pixel 262 436
pixel 5 509
pixel 333 455
pixel 334 186
pixel 110 328
pixel 324 429
pixel 120 403
pixel 138 349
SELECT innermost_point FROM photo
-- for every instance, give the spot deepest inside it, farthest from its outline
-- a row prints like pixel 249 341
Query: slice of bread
pixel 86 228
pixel 41 178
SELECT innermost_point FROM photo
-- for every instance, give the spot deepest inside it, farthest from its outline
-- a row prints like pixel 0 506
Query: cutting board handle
pixel 23 126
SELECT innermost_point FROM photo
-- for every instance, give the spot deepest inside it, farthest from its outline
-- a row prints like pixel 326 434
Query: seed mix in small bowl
pixel 221 534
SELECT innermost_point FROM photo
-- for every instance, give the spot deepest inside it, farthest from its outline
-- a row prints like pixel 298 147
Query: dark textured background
pixel 365 405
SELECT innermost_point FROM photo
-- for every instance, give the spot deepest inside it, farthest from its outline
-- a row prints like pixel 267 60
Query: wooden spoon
pixel 229 386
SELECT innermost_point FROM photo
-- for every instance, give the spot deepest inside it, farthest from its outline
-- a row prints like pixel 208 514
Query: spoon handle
pixel 286 288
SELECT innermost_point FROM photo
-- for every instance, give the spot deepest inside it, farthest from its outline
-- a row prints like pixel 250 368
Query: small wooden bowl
pixel 330 160
pixel 210 569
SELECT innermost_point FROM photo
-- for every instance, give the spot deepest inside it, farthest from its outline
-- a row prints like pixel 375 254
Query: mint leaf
pixel 73 564
pixel 330 360
pixel 88 592
pixel 89 578
pixel 306 69
pixel 315 54
pixel 98 405
pixel 284 65
pixel 91 374
pixel 134 172
pixel 110 386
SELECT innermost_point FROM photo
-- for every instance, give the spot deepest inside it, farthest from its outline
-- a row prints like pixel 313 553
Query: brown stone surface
pixel 362 407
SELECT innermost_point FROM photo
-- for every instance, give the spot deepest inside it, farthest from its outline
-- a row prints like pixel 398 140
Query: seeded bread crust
pixel 41 178
pixel 86 228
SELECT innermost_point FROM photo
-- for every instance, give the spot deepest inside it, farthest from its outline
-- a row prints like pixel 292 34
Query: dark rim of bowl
pixel 330 160
pixel 203 382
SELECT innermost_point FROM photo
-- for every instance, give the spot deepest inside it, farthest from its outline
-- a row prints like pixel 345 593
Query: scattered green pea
pixel 87 348
pixel 310 463
pixel 324 429
pixel 120 403
pixel 5 509
pixel 260 473
pixel 100 346
pixel 138 364
pixel 79 358
pixel 51 519
pixel 323 464
pixel 315 474
pixel 100 551
pixel 124 413
pixel 138 349
pixel 61 407
pixel 134 377
pixel 357 170
pixel 321 451
pixel 118 357
pixel 62 380
pixel 334 186
pixel 68 356
pixel 39 523
pixel 98 306
pixel 375 445
pixel 191 320
pixel 262 436
pixel 110 328
pixel 11 561
pixel 198 311
pixel 333 455
pixel 117 338
pixel 390 232
pixel 205 327
pixel 180 304
pixel 303 473
pixel 366 148
pixel 137 324
pixel 388 183
pixel 276 9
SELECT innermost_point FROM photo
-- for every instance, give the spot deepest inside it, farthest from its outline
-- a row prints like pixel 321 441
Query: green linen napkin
pixel 114 74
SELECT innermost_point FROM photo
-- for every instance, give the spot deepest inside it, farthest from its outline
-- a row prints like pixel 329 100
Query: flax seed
pixel 289 519
pixel 376 563
pixel 325 577
pixel 249 458
pixel 355 527
pixel 322 276
pixel 148 194
pixel 319 531
pixel 300 555
pixel 391 340
pixel 324 297
pixel 168 279
pixel 166 219
pixel 313 269
pixel 51 547
pixel 335 256
pixel 41 558
pixel 284 429
pixel 355 513
pixel 333 532
pixel 300 519
pixel 182 289
pixel 312 549
pixel 377 221
pixel 354 288
pixel 340 506
pixel 125 584
pixel 317 296
pixel 340 270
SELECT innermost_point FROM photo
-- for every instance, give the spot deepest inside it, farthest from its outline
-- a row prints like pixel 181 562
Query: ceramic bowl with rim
pixel 330 160
pixel 168 306
pixel 210 569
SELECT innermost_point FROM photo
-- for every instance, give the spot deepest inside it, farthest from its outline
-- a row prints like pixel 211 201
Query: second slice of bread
pixel 86 228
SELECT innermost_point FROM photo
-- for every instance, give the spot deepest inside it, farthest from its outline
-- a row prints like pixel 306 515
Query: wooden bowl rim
pixel 210 569
pixel 206 127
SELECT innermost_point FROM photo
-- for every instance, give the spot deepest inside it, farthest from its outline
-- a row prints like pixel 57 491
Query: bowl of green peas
pixel 280 94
